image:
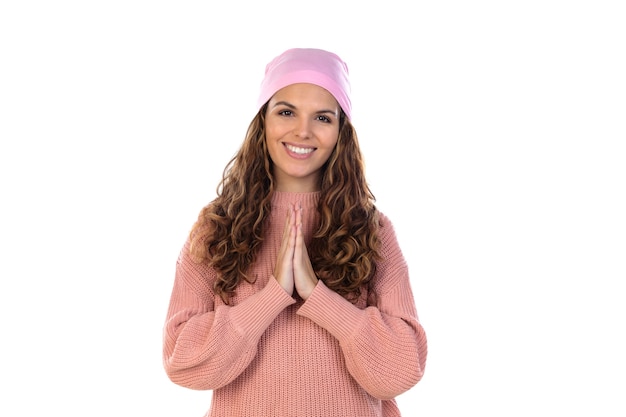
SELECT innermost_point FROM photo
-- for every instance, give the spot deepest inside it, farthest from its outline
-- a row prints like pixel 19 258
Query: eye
pixel 285 112
pixel 324 119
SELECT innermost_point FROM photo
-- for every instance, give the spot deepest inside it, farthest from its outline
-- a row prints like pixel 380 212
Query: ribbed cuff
pixel 332 312
pixel 254 315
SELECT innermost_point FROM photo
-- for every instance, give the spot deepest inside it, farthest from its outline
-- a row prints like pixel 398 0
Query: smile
pixel 299 151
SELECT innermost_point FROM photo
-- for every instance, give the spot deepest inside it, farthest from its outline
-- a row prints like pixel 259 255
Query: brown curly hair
pixel 344 248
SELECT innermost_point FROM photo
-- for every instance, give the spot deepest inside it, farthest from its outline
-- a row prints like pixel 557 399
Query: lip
pixel 295 151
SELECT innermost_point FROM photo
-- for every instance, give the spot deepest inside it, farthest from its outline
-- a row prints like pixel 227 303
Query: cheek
pixel 328 149
pixel 271 147
pixel 274 133
pixel 269 132
pixel 331 140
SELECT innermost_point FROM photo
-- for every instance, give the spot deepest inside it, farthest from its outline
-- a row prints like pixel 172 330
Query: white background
pixel 493 134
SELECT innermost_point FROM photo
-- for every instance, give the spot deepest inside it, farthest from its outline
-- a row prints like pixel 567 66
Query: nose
pixel 303 128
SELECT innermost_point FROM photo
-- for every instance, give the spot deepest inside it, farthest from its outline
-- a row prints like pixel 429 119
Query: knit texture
pixel 271 354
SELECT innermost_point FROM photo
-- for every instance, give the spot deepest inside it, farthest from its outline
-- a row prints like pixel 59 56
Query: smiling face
pixel 301 130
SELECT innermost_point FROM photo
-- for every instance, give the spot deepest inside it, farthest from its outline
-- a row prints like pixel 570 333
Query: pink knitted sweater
pixel 269 354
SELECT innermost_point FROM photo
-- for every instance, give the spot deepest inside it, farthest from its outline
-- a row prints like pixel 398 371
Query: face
pixel 301 130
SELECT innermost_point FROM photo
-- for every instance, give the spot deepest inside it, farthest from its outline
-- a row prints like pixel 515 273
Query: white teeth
pixel 300 151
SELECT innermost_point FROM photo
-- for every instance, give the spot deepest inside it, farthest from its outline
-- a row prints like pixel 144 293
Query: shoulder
pixel 391 266
pixel 389 249
pixel 386 228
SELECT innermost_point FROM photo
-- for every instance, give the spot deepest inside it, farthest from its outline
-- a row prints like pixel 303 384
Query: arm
pixel 384 346
pixel 206 347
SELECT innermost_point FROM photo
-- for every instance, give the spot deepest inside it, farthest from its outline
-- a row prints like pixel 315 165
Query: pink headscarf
pixel 306 65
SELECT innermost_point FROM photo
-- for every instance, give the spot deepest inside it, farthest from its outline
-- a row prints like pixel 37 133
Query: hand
pixel 305 279
pixel 283 271
pixel 293 266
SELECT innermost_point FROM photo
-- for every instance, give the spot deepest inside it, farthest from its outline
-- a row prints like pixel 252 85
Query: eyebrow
pixel 291 106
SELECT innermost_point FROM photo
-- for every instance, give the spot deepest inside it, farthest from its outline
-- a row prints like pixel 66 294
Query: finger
pixel 301 256
pixel 287 230
pixel 287 222
pixel 305 279
pixel 300 247
pixel 284 244
pixel 283 271
pixel 297 211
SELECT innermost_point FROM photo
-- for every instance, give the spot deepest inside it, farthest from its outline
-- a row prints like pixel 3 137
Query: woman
pixel 291 295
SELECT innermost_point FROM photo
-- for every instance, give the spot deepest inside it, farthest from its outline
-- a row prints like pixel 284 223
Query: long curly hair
pixel 345 246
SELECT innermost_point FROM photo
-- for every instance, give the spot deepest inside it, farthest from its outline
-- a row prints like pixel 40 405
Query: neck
pixel 298 185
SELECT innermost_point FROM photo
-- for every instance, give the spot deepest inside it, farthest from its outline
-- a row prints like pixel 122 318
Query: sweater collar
pixel 284 199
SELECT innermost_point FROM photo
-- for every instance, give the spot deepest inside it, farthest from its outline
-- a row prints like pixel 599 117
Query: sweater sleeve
pixel 206 347
pixel 385 345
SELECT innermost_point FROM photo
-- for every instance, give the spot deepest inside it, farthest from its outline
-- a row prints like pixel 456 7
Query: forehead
pixel 301 94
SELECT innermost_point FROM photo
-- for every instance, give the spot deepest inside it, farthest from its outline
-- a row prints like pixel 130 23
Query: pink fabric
pixel 271 354
pixel 308 65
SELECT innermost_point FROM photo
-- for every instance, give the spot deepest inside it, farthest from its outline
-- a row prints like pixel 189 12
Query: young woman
pixel 291 295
